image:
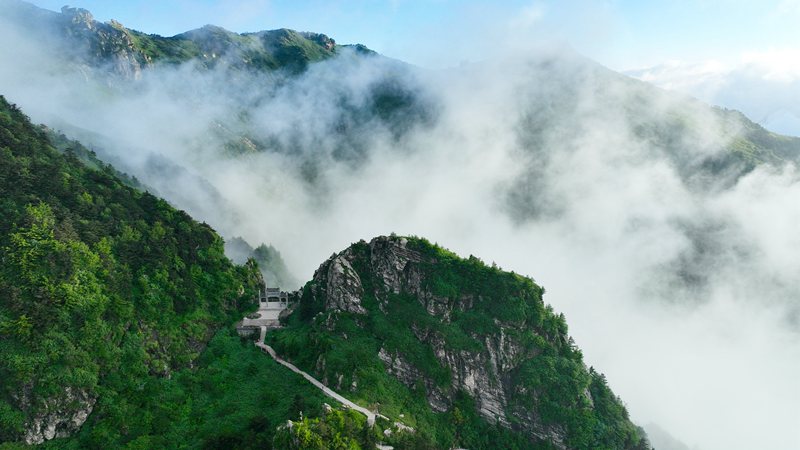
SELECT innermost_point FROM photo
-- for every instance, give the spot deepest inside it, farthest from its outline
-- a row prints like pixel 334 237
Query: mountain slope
pixel 109 299
pixel 465 352
pixel 101 287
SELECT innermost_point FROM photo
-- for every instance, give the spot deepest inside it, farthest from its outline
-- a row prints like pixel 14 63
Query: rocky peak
pixel 339 284
pixel 101 45
pixel 488 333
pixel 389 259
pixel 79 16
pixel 394 266
pixel 321 39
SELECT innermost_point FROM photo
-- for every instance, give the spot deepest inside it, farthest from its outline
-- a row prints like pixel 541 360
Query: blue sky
pixel 622 34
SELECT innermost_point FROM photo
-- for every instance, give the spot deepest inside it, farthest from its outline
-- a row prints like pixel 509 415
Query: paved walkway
pixel 266 317
pixel 327 391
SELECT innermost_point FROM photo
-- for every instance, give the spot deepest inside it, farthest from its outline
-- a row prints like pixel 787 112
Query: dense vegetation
pixel 336 429
pixel 74 149
pixel 343 349
pixel 235 398
pixel 101 285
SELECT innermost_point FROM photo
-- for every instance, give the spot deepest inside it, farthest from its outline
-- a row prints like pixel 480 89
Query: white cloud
pixel 765 85
pixel 778 65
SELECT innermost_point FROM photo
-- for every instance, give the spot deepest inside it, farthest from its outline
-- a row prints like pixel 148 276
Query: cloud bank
pixel 764 85
pixel 680 286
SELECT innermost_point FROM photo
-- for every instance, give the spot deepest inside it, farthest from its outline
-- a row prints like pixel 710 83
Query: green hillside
pixel 102 286
pixel 467 354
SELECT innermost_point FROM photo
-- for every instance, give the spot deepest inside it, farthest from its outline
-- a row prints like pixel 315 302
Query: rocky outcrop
pixel 389 259
pixel 59 417
pixel 339 284
pixel 104 44
pixel 393 267
pixel 409 375
pixel 322 40
pixel 478 374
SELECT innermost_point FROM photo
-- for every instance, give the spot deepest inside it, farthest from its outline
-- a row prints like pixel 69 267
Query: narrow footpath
pixel 327 391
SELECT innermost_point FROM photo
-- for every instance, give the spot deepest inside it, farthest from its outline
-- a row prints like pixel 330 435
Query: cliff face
pixel 450 327
pixel 486 374
pixel 58 416
pixel 103 43
pixel 74 37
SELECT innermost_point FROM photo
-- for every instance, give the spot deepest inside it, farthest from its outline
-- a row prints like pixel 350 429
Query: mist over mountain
pixel 108 293
pixel 269 260
pixel 757 85
pixel 663 227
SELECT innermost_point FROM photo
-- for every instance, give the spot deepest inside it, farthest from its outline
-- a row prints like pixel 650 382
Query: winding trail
pixel 326 390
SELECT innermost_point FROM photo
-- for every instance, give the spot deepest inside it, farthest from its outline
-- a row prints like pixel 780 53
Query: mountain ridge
pixel 451 337
pixel 130 51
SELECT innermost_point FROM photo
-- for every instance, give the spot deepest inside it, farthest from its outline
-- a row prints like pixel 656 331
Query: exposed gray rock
pixel 60 416
pixel 106 43
pixel 409 375
pixel 484 372
pixel 389 258
pixel 471 373
pixel 343 290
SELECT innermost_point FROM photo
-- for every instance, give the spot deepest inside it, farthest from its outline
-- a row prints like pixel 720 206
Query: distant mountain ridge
pixel 128 51
pixel 112 49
